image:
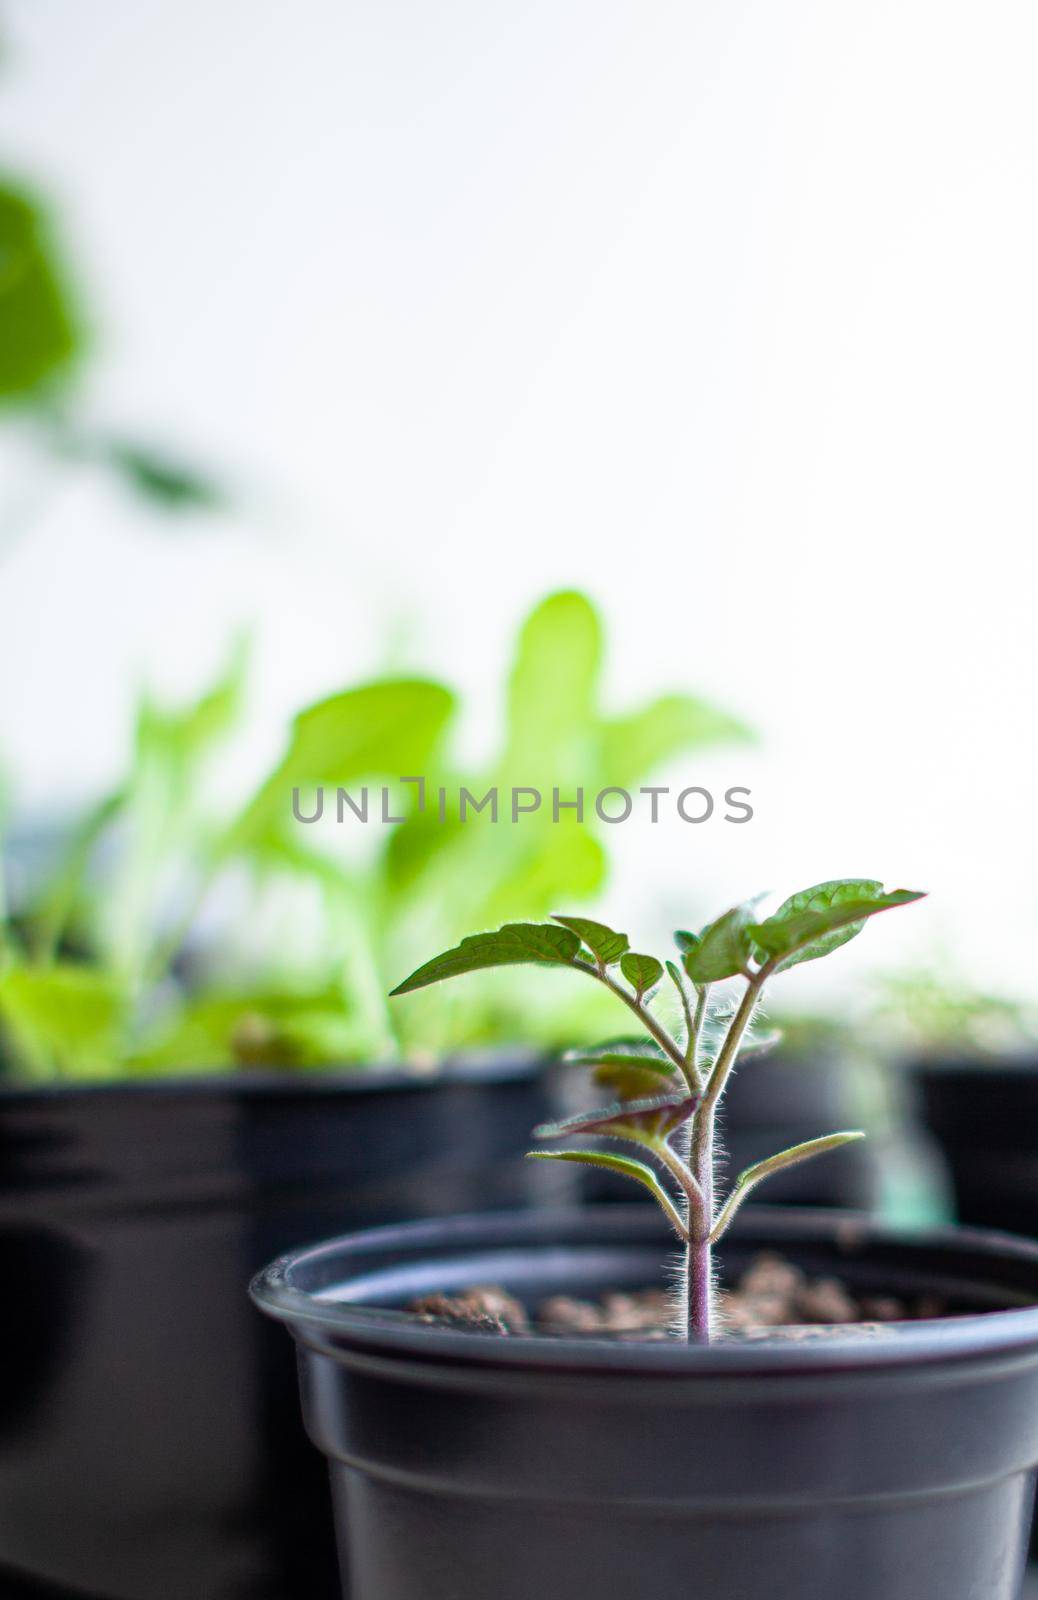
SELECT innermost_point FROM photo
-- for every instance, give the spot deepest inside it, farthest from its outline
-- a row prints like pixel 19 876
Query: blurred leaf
pixel 638 743
pixel 417 844
pixel 179 739
pixel 649 1122
pixel 515 943
pixel 613 1052
pixel 641 972
pixel 252 1028
pixel 158 478
pixel 635 1069
pixel 552 692
pixel 605 945
pixel 548 864
pixel 724 947
pixel 157 816
pixel 58 901
pixel 686 941
pixel 634 1079
pixel 391 728
pixel 40 335
pixel 63 1019
pixel 818 920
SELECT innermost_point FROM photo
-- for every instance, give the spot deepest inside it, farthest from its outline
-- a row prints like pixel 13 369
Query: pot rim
pixel 1011 1064
pixel 345 1328
pixel 475 1067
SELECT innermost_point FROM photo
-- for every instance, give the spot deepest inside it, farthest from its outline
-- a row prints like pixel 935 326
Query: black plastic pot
pixel 150 1440
pixel 983 1116
pixel 893 1467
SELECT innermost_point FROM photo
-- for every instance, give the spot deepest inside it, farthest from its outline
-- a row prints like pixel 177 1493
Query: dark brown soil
pixel 771 1294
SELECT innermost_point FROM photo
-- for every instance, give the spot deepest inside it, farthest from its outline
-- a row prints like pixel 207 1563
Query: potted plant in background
pixel 177 1113
pixel 892 1459
pixel 971 1060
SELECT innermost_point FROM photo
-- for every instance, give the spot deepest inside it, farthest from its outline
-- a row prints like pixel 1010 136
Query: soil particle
pixel 646 1312
pixel 771 1294
pixel 489 1309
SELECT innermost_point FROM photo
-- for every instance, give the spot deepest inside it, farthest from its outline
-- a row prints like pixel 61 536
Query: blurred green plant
pixel 927 1012
pixel 98 970
pixel 45 347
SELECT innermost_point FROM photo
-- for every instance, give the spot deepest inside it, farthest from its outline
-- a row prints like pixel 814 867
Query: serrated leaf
pixel 605 945
pixel 724 947
pixel 764 1169
pixel 627 1167
pixel 643 1121
pixel 641 972
pixel 816 921
pixel 515 944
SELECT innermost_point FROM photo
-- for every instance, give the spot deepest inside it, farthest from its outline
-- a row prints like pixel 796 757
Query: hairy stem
pixel 692 1051
pixel 698 1264
pixel 700 1291
pixel 697 1212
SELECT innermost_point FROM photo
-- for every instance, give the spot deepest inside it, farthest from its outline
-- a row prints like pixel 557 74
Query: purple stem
pixel 699 1291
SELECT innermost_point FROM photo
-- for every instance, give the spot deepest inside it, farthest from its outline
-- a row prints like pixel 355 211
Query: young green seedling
pixel 670 1085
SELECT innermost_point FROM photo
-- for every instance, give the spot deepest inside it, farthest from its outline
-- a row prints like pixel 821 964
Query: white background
pixel 724 311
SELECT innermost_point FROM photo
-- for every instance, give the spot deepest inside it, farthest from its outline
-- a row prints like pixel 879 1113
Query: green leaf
pixel 553 690
pixel 391 728
pixel 270 1027
pixel 763 1169
pixel 627 1167
pixel 635 1069
pixel 64 1019
pixel 648 1122
pixel 158 815
pixel 605 945
pixel 725 946
pixel 818 920
pixel 636 744
pixel 40 333
pixel 178 739
pixel 634 1079
pixel 158 478
pixel 641 972
pixel 614 1052
pixel 686 941
pixel 515 944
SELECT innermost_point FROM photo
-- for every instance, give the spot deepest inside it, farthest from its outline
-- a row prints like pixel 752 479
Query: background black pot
pixel 150 1441
pixel 899 1466
pixel 983 1115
